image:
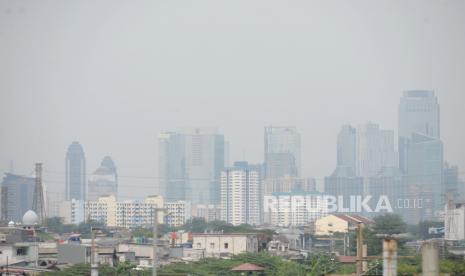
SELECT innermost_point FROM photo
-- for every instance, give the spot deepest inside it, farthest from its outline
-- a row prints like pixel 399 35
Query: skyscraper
pixel 282 152
pixel 346 147
pixel 240 194
pixel 418 113
pixel 104 181
pixel 374 149
pixel 424 174
pixel 190 164
pixel 421 152
pixel 172 166
pixel 344 183
pixel 75 172
pixel 16 196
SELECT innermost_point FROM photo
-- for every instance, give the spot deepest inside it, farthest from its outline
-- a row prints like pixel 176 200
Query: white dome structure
pixel 11 224
pixel 30 218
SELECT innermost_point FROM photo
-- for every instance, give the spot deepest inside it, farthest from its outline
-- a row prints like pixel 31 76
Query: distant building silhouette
pixel 346 147
pixel 190 164
pixel 418 113
pixel 104 181
pixel 75 172
pixel 282 151
pixel 375 150
pixel 421 152
pixel 17 194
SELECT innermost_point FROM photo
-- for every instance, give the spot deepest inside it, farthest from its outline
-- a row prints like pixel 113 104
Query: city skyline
pixel 156 177
pixel 237 69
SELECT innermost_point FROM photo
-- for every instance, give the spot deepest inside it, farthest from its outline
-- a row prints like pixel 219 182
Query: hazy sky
pixel 112 74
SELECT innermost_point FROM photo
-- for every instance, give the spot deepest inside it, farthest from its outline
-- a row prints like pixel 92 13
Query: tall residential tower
pixel 240 194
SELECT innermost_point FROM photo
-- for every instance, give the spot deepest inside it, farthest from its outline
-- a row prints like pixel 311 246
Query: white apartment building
pixel 128 214
pixel 72 211
pixel 240 194
pixel 177 212
pixel 293 209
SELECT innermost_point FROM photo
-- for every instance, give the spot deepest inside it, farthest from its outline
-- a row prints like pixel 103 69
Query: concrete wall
pixel 73 254
pixel 223 244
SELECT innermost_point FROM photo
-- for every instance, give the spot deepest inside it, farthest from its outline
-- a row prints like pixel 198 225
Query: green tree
pixel 388 224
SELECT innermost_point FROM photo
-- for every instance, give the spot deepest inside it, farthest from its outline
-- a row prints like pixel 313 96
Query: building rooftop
pixel 247 267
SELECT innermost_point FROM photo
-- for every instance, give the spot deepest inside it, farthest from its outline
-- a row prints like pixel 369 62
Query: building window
pixel 226 245
pixel 21 251
pixel 199 245
pixel 212 245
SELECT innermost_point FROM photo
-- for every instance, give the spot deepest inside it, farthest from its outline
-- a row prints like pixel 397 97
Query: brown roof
pixel 347 259
pixel 248 267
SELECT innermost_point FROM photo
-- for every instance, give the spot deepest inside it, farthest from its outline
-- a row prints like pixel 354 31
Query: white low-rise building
pixel 219 245
pixel 293 209
pixel 455 222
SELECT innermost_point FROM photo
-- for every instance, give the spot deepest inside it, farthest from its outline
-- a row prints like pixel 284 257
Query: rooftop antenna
pixel 38 203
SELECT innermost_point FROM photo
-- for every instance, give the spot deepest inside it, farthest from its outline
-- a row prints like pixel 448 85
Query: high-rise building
pixel 389 182
pixel 424 173
pixel 346 147
pixel 75 172
pixel 282 152
pixel 375 150
pixel 344 183
pixel 17 196
pixel 240 194
pixel 293 209
pixel 288 184
pixel 190 164
pixel 421 152
pixel 172 165
pixel 451 180
pixel 104 181
pixel 418 113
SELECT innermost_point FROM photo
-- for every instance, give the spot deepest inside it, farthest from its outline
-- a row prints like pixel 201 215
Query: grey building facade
pixel 17 194
pixel 104 181
pixel 282 151
pixel 190 165
pixel 346 147
pixel 421 152
pixel 418 113
pixel 75 172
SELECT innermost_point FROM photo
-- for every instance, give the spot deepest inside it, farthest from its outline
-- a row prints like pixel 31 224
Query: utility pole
pixel 93 265
pixel 154 261
pixel 359 249
pixel 155 238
